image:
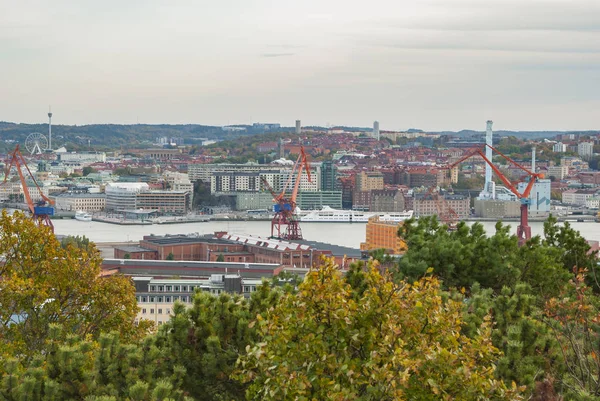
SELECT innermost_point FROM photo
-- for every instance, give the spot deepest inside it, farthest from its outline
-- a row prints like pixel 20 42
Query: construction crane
pixel 285 224
pixel 523 229
pixel 40 211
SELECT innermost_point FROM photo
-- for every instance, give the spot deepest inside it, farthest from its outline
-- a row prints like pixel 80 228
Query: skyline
pixel 434 65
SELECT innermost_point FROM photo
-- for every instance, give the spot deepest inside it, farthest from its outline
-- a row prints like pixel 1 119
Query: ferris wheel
pixel 36 143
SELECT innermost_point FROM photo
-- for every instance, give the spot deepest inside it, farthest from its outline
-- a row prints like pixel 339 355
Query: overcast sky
pixel 430 64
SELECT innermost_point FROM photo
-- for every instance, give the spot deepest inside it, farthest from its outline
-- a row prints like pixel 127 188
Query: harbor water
pixel 344 234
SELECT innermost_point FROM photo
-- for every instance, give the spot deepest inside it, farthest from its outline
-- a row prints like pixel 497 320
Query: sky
pixel 429 64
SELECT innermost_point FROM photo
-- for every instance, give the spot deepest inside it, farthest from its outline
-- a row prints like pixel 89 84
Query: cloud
pixel 277 54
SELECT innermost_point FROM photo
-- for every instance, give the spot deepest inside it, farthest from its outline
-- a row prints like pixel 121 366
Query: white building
pixel 83 157
pixel 80 201
pixel 560 172
pixel 593 202
pixel 585 150
pixel 577 197
pixel 539 196
pixel 122 195
pixel 559 147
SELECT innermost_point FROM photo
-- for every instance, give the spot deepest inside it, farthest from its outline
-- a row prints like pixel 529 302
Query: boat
pixel 328 214
pixel 83 216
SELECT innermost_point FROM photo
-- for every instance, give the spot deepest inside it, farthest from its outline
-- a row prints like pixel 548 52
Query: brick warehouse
pixel 235 248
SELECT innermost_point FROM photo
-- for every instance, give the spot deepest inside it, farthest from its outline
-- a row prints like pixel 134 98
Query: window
pixel 159 299
pixel 152 311
pixel 161 288
pixel 168 311
pixel 144 299
pixel 160 311
pixel 152 288
pixel 169 288
pixel 246 288
pixel 152 299
pixel 177 288
pixel 144 311
pixel 167 299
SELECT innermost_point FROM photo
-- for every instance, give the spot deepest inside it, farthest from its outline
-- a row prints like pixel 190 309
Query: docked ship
pixel 83 216
pixel 328 214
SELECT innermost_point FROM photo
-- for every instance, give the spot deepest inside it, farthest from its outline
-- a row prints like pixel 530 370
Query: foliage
pixel 75 369
pixel 82 242
pixel 397 341
pixel 574 318
pixel 467 255
pixel 170 256
pixel 220 258
pixel 208 338
pixel 88 170
pixel 43 283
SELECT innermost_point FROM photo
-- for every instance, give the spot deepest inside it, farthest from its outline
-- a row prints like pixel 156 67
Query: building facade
pixel 80 201
pixel 383 235
pixel 123 195
pixel 172 202
pixel 424 205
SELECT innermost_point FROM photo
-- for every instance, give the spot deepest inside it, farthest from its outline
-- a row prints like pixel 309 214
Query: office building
pixel 122 196
pixel 383 235
pixel 329 176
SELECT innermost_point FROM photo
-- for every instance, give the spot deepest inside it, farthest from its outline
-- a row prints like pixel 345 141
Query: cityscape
pixel 319 201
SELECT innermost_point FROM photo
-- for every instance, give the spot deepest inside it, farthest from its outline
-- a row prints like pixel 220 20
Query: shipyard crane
pixel 285 224
pixel 40 211
pixel 523 229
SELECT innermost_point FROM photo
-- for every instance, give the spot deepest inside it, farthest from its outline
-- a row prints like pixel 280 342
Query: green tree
pixel 82 242
pixel 397 341
pixel 87 171
pixel 220 258
pixel 170 256
pixel 43 283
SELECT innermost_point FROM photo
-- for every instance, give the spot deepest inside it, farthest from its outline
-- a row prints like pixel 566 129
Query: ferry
pixel 83 216
pixel 328 214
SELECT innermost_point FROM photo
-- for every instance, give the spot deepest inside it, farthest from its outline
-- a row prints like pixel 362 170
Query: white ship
pixel 83 216
pixel 328 214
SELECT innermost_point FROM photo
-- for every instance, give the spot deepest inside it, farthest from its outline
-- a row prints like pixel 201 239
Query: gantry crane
pixel 285 224
pixel 523 229
pixel 40 211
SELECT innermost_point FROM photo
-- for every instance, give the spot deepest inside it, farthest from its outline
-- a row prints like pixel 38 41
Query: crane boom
pixel 40 212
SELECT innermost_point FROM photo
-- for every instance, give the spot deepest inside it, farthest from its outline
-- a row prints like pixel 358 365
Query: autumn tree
pixel 43 283
pixel 397 341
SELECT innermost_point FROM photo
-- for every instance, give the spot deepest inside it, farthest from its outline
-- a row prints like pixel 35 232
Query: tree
pixel 87 171
pixel 170 256
pixel 220 258
pixel 43 283
pixel 397 341
pixel 127 256
pixel 76 369
pixel 82 242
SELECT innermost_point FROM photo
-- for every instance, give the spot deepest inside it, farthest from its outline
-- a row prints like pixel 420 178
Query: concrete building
pixel 367 181
pixel 80 201
pixel 203 172
pixel 82 157
pixel 329 176
pixel 383 234
pixel 559 172
pixel 585 150
pixel 488 187
pixel 122 195
pixel 298 127
pixel 497 209
pixel 170 202
pixel 387 200
pixel 593 202
pixel 253 201
pixel 577 197
pixel 425 205
pixel 313 185
pixel 559 147
pixel 316 200
pixel 376 130
pixel 539 196
pixel 160 153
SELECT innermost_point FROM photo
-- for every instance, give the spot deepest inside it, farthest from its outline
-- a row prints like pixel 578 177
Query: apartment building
pixel 426 205
pixel 80 201
pixel 383 234
pixel 171 202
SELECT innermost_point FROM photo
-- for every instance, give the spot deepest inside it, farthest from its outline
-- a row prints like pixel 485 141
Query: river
pixel 344 234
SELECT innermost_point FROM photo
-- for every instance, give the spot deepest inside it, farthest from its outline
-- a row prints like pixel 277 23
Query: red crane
pixel 40 211
pixel 523 229
pixel 285 224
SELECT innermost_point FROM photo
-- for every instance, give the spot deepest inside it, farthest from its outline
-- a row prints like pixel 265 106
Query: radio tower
pixel 49 128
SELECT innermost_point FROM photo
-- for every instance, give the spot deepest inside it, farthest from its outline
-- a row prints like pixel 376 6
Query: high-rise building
pixel 328 176
pixel 559 147
pixel 585 150
pixel 376 130
pixel 489 187
pixel 383 234
pixel 298 127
